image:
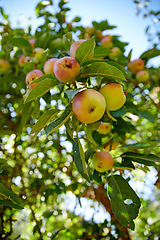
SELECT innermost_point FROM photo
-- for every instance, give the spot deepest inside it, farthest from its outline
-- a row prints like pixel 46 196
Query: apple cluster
pixel 89 105
pixel 136 67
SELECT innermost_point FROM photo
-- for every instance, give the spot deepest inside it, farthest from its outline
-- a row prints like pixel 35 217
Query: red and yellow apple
pixel 66 69
pixel 102 161
pixel 21 60
pixel 104 128
pixel 27 59
pixel 136 65
pixel 49 65
pixel 88 106
pixel 74 47
pixel 114 96
pixel 106 41
pixel 31 76
pixel 5 67
pixel 142 76
pixel 37 54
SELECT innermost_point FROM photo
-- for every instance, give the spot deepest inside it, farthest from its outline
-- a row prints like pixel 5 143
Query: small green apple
pixel 115 52
pixel 142 76
pixel 37 54
pixel 106 41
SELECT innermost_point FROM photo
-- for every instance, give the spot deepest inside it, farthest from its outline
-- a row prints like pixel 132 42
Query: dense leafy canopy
pixel 46 174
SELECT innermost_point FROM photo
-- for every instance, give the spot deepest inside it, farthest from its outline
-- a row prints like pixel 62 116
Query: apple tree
pixel 79 125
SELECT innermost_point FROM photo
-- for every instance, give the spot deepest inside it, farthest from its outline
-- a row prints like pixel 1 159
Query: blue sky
pixel 121 13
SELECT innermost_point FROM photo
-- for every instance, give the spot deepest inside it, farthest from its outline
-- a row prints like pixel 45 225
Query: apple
pixel 5 66
pixel 74 47
pixel 115 52
pixel 114 96
pixel 88 106
pixel 48 66
pixel 110 145
pixel 142 76
pixel 32 41
pixel 89 30
pixel 104 127
pixel 106 41
pixel 27 59
pixel 66 69
pixel 102 161
pixel 99 34
pixel 21 60
pixel 136 65
pixel 34 74
pixel 37 54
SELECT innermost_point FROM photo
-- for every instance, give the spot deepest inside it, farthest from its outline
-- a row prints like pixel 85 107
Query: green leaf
pixel 101 69
pixel 43 120
pixel 141 158
pixel 45 76
pixel 84 50
pixel 124 201
pixel 22 43
pixel 79 158
pixel 10 195
pixel 58 123
pixel 103 25
pixel 101 52
pixel 26 111
pixel 10 204
pixel 147 115
pixel 41 88
pixel 71 93
pixel 68 40
pixel 28 67
pixel 151 53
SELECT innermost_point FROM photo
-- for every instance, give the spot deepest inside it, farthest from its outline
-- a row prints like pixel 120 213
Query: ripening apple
pixel 48 66
pixel 32 41
pixel 27 59
pixel 142 76
pixel 106 41
pixel 66 69
pixel 5 67
pixel 136 65
pixel 99 34
pixel 74 47
pixel 31 76
pixel 21 60
pixel 90 30
pixel 114 96
pixel 104 127
pixel 102 161
pixel 37 54
pixel 88 106
pixel 115 52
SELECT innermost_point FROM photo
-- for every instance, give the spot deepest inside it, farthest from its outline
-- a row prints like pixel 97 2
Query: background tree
pixel 46 167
